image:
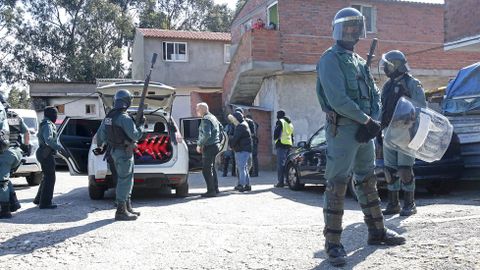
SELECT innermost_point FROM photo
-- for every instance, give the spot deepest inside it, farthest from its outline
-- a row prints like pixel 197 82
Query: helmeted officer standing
pixel 48 146
pixel 19 145
pixel 10 156
pixel 398 166
pixel 346 89
pixel 120 133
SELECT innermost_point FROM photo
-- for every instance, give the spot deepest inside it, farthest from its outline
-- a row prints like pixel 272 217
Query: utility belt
pixel 127 147
pixel 44 151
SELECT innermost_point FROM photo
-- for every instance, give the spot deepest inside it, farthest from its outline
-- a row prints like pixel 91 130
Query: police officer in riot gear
pixel 13 147
pixel 346 89
pixel 48 146
pixel 120 133
pixel 398 166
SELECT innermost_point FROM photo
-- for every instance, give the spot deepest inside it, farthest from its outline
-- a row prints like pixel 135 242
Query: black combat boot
pixel 5 212
pixel 336 254
pixel 393 206
pixel 122 213
pixel 409 207
pixel 14 203
pixel 385 237
pixel 130 209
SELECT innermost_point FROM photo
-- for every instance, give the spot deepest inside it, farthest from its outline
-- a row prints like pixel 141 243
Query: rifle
pixel 371 54
pixel 141 105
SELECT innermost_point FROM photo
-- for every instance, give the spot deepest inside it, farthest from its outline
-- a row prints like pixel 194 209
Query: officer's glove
pixel 368 131
pixel 142 121
pixel 26 149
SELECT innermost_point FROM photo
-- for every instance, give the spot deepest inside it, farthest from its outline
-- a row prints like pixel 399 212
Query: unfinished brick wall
pixel 265 158
pixel 415 28
pixel 462 19
pixel 214 101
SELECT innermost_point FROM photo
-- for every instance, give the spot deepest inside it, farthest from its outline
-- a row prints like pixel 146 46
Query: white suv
pixel 162 156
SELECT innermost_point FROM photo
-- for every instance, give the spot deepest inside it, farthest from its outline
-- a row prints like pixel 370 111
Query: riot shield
pixel 418 132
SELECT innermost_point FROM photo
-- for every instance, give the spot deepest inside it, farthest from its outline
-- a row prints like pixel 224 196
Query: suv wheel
pixel 96 193
pixel 34 179
pixel 181 190
pixel 351 189
pixel 293 180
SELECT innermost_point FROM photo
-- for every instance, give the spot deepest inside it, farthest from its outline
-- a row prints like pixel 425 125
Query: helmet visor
pixel 349 28
pixel 388 67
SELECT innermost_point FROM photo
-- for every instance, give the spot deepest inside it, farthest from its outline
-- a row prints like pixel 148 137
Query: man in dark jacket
pixel 229 155
pixel 241 143
pixel 254 170
pixel 208 146
pixel 283 138
pixel 253 126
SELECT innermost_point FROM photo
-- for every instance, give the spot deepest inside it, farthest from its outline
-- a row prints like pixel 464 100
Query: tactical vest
pixel 392 92
pixel 4 130
pixel 116 136
pixel 15 125
pixel 216 126
pixel 43 125
pixel 358 84
pixel 287 131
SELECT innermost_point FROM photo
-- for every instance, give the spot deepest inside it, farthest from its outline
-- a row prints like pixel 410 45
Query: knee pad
pixel 338 188
pixel 333 210
pixel 368 196
pixel 405 173
pixel 390 175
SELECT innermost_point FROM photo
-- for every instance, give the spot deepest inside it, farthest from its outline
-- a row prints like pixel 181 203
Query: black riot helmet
pixel 3 100
pixel 348 26
pixel 50 113
pixel 122 99
pixel 394 63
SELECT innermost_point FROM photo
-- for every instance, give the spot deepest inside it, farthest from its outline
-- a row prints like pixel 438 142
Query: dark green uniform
pixel 121 152
pixel 345 87
pixel 405 85
pixel 48 146
pixel 10 160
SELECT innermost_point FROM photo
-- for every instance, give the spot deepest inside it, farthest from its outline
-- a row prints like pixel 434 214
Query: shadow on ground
pixel 29 242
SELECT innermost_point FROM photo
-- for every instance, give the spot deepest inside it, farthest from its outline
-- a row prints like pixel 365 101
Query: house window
pixel 369 13
pixel 272 16
pixel 226 54
pixel 60 108
pixel 175 51
pixel 90 109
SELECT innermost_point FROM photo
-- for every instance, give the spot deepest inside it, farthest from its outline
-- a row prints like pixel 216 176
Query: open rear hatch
pixel 159 96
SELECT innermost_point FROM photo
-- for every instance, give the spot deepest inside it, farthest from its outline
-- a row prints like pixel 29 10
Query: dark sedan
pixel 306 164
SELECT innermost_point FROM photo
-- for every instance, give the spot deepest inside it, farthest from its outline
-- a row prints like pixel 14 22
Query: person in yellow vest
pixel 283 138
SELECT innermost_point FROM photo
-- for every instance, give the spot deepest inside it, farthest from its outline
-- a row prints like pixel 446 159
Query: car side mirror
pixel 302 144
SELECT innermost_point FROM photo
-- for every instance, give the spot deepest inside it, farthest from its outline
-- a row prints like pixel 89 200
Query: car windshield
pixel 30 122
pixel 318 139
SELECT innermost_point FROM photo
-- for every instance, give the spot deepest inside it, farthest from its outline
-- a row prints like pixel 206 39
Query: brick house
pixel 462 25
pixel 192 62
pixel 275 69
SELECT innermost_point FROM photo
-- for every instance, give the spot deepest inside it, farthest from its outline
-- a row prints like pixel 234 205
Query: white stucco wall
pixel 76 108
pixel 295 94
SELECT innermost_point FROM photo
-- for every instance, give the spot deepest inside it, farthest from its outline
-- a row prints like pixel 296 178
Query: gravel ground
pixel 267 228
